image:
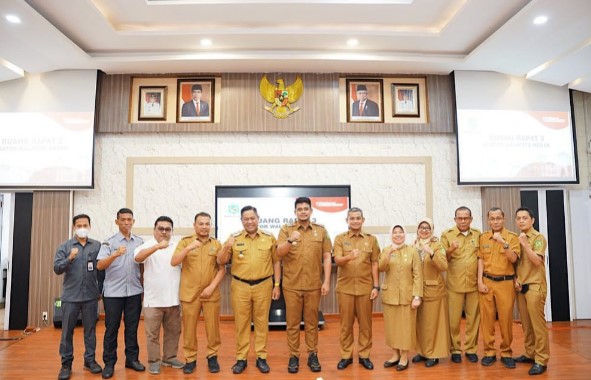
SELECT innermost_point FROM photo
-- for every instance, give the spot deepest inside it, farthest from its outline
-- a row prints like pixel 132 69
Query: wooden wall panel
pixel 51 226
pixel 242 107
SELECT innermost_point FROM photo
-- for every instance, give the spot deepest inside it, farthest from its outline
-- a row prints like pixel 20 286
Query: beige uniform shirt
pixel 253 258
pixel 433 268
pixel 462 271
pixel 493 255
pixel 199 268
pixel 302 265
pixel 404 275
pixel 528 273
pixel 355 276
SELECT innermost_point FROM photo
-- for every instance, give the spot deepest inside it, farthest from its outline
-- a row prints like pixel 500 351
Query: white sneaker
pixel 174 363
pixel 154 368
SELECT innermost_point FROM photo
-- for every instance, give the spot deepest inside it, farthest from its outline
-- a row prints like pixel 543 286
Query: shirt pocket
pixel 264 249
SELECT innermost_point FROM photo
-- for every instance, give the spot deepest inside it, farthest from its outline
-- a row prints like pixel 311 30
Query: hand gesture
pixel 354 254
pixel 416 302
pixel 120 251
pixel 163 244
pixel 523 239
pixel 498 238
pixel 295 235
pixel 482 288
pixel 427 249
pixel 194 244
pixel 73 254
pixel 230 242
pixel 207 292
pixel 325 288
pixel 374 294
pixel 454 245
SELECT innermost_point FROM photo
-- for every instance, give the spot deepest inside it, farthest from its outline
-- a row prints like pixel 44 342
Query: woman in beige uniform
pixel 402 291
pixel 432 316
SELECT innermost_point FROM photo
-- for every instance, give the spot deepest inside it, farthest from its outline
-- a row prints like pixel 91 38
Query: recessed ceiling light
pixel 352 42
pixel 206 42
pixel 13 19
pixel 540 20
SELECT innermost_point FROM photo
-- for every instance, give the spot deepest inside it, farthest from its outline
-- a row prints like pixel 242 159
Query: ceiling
pixel 394 37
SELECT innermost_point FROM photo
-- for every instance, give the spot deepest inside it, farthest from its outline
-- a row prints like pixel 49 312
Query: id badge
pixel 90 266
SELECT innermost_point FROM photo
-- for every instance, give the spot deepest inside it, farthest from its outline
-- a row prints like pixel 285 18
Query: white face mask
pixel 82 233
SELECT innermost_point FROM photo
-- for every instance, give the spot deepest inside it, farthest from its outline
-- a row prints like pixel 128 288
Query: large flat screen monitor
pixel 275 206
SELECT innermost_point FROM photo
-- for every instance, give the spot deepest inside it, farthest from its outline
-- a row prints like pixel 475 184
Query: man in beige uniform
pixel 305 249
pixel 199 291
pixel 461 245
pixel 356 254
pixel 254 264
pixel 531 296
pixel 499 250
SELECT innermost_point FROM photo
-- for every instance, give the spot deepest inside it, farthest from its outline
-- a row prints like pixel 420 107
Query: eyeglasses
pixel 164 229
pixel 495 219
pixel 425 228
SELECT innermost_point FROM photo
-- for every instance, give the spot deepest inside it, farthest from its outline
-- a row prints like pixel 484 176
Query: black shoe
pixel 523 359
pixel 93 367
pixel 262 365
pixel 472 358
pixel 135 365
pixel 344 363
pixel 239 367
pixel 366 363
pixel 65 372
pixel 431 362
pixel 212 364
pixel 389 364
pixel 313 362
pixel 108 371
pixel 508 362
pixel 418 358
pixel 488 360
pixel 457 358
pixel 402 367
pixel 189 367
pixel 537 369
pixel 294 364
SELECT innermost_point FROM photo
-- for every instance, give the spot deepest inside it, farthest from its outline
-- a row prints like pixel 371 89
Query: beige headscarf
pixel 419 243
pixel 394 245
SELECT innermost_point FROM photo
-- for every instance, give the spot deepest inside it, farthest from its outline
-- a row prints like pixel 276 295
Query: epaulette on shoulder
pixel 318 224
pixel 268 233
pixel 236 234
pixel 187 237
pixel 449 230
pixel 512 233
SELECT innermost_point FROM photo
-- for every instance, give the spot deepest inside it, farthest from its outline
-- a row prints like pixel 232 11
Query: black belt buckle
pixel 251 282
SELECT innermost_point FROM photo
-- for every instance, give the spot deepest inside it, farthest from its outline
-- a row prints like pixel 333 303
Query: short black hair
pixel 124 210
pixel 164 219
pixel 202 213
pixel 248 208
pixel 80 216
pixel 462 208
pixel 526 209
pixel 302 200
pixel 495 209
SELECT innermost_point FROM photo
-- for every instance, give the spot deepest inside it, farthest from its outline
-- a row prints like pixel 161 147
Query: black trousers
pixel 70 311
pixel 115 307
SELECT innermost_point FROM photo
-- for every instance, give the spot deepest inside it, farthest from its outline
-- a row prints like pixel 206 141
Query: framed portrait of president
pixel 365 101
pixel 195 99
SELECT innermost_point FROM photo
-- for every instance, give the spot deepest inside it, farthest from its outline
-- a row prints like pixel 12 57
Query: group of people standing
pixel 426 287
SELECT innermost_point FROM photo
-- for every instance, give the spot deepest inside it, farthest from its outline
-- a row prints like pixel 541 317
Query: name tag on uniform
pixel 90 266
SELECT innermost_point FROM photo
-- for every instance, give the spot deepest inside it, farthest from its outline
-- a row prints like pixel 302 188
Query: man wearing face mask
pixel 76 259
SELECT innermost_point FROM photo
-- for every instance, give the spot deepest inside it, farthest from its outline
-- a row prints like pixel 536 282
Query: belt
pixel 251 282
pixel 499 278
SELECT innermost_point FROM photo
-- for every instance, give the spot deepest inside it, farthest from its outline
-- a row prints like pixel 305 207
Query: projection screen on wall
pixel 513 131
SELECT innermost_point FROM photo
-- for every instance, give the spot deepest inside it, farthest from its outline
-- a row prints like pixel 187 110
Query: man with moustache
pixel 122 293
pixel 76 260
pixel 356 255
pixel 199 291
pixel 531 292
pixel 255 268
pixel 499 250
pixel 305 249
pixel 161 296
pixel 461 246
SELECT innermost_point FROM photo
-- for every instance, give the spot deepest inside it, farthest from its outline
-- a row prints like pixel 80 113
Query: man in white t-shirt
pixel 161 296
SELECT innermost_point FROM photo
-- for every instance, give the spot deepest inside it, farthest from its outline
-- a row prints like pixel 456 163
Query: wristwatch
pixel 290 241
pixel 505 246
pixel 377 288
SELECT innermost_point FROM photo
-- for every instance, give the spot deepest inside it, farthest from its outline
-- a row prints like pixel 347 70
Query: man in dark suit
pixel 363 106
pixel 195 107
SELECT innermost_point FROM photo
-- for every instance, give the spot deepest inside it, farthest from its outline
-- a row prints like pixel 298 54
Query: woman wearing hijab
pixel 401 296
pixel 432 316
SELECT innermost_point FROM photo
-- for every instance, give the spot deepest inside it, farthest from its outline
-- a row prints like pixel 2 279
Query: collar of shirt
pixel 351 233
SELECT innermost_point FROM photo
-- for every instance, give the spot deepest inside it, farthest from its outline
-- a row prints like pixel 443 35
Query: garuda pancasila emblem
pixel 280 96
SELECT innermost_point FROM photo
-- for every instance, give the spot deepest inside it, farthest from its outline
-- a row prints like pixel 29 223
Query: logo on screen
pixel 233 209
